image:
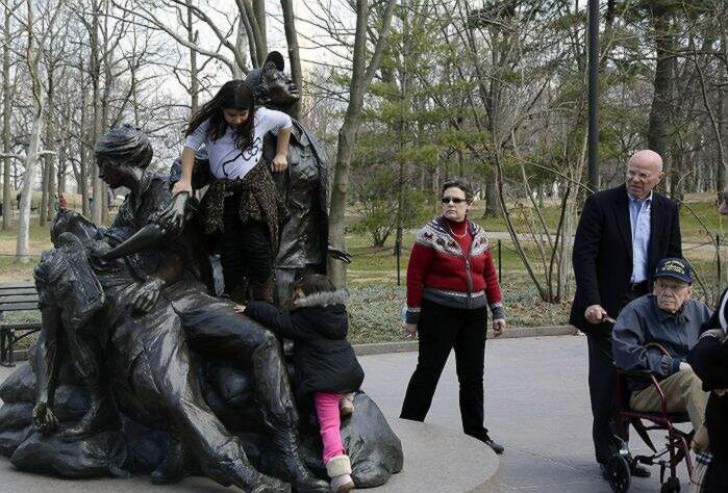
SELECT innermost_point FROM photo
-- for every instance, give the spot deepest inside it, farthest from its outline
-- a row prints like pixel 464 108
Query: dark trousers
pixel 440 330
pixel 245 249
pixel 602 388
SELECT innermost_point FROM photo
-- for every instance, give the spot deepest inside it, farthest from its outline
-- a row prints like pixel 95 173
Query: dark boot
pixel 245 477
pixel 263 291
pixel 175 466
pixel 290 466
pixel 101 416
pixel 240 293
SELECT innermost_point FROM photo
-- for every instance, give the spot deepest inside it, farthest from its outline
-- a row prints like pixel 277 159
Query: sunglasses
pixel 454 200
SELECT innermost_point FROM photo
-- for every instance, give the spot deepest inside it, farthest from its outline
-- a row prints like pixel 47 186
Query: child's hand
pixel 239 308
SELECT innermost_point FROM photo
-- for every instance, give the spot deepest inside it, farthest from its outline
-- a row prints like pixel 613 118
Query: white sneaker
pixel 339 470
pixel 346 404
pixel 341 484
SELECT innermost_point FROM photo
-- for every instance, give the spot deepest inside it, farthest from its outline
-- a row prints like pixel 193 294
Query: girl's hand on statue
pixel 280 163
pixel 182 186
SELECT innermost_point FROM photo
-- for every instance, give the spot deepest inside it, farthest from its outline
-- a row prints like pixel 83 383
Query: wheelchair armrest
pixel 648 375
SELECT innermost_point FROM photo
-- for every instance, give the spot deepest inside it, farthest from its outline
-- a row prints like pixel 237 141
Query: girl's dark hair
pixel 462 185
pixel 312 284
pixel 233 95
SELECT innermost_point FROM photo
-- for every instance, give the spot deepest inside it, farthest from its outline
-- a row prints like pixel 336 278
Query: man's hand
pixel 498 325
pixel 239 308
pixel 43 418
pixel 720 392
pixel 409 329
pixel 172 219
pixel 685 366
pixel 146 296
pixel 280 163
pixel 595 314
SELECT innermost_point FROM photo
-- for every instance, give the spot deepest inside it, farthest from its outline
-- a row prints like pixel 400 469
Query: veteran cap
pixel 677 268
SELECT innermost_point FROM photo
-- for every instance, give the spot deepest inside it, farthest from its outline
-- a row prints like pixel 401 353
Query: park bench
pixel 14 297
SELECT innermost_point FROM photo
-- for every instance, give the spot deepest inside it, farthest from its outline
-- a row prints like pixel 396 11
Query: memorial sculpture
pixel 137 369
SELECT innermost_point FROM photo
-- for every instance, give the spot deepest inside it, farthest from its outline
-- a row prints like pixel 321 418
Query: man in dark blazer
pixel 622 233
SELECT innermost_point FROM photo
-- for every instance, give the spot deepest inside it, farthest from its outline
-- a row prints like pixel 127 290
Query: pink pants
pixel 327 411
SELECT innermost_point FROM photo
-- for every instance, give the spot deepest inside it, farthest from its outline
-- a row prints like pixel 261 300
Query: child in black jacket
pixel 324 361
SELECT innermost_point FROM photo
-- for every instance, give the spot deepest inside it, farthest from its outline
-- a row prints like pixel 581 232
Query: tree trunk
pixel 360 79
pixel 8 199
pixel 660 112
pixel 289 25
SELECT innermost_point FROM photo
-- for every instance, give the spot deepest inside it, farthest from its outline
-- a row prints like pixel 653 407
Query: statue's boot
pixel 245 477
pixel 292 468
pixel 175 466
pixel 263 291
pixel 100 416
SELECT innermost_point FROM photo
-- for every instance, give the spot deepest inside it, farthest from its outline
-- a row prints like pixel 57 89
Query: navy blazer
pixel 602 255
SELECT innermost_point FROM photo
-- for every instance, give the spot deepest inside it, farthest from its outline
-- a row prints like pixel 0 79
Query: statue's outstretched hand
pixel 146 296
pixel 341 255
pixel 172 219
pixel 44 419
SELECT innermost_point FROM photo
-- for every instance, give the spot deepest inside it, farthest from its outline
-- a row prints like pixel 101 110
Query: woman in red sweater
pixel 451 281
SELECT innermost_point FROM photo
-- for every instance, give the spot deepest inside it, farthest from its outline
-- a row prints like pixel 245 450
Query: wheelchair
pixel 677 445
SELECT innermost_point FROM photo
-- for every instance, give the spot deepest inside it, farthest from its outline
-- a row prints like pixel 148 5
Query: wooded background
pixel 404 94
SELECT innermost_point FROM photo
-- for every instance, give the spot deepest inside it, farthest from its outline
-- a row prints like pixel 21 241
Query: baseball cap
pixel 677 268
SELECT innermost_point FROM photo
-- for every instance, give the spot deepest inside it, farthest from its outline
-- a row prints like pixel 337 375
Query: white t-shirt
pixel 226 160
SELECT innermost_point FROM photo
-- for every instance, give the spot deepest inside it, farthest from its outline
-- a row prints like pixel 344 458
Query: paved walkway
pixel 536 405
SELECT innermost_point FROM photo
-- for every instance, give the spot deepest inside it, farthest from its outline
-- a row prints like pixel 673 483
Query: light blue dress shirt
pixel 639 218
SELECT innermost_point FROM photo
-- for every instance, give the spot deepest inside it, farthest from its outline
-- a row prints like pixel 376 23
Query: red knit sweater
pixel 437 261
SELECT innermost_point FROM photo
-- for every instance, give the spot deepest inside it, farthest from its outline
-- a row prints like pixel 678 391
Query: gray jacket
pixel 642 326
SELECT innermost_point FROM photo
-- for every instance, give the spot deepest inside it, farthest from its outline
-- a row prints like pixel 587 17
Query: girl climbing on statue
pixel 242 202
pixel 325 365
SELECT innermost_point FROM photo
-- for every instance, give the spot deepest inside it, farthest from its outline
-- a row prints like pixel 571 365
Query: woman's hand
pixel 280 163
pixel 182 186
pixel 720 392
pixel 239 308
pixel 499 325
pixel 410 330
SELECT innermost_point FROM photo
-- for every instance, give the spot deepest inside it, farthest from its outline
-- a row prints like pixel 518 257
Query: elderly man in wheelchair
pixel 650 342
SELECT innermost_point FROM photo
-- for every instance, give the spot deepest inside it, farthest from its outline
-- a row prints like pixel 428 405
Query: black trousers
pixel 602 388
pixel 440 330
pixel 245 249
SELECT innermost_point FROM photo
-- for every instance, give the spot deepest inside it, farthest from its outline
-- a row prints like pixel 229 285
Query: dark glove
pixel 146 296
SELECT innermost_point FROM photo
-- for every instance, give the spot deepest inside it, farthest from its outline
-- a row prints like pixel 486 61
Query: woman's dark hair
pixel 312 284
pixel 125 146
pixel 233 95
pixel 462 185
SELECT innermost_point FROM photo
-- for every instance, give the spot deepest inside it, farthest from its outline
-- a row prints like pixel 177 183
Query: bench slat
pixel 20 298
pixel 16 307
pixel 17 285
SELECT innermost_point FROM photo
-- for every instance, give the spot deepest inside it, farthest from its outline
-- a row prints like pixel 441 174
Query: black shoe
pixel 638 471
pixel 497 448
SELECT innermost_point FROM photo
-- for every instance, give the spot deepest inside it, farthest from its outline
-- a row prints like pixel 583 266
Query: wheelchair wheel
pixel 672 485
pixel 617 472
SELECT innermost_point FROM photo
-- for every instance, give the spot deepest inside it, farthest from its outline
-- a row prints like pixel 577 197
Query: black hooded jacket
pixel 323 359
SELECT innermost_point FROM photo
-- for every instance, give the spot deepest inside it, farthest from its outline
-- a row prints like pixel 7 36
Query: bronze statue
pixel 138 369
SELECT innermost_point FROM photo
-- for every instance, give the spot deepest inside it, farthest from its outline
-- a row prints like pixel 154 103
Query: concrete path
pixel 536 405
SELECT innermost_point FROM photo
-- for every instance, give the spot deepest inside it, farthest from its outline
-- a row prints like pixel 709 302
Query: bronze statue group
pixel 141 366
